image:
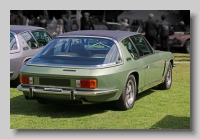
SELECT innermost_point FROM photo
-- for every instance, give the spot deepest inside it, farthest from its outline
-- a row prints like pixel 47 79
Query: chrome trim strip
pixel 68 92
pixel 148 86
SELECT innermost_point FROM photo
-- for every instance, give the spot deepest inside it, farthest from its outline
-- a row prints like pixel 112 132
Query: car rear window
pixel 78 51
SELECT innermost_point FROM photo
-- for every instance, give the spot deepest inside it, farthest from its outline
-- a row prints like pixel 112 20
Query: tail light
pixel 86 83
pixel 26 80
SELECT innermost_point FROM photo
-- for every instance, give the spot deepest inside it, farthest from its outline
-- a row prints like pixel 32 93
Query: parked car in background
pixel 25 42
pixel 101 26
pixel 135 28
pixel 180 38
pixel 114 25
pixel 96 66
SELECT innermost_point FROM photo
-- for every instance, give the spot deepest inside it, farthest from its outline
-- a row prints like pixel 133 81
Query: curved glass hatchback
pixel 78 51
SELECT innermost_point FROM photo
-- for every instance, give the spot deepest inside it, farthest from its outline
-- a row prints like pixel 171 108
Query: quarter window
pixel 141 44
pixel 29 40
pixel 42 37
pixel 129 46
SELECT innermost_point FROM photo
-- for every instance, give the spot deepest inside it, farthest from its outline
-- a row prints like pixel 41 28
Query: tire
pixel 128 96
pixel 15 82
pixel 168 79
pixel 187 46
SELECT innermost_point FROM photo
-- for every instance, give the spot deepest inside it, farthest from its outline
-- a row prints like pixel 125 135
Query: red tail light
pixel 26 80
pixel 86 83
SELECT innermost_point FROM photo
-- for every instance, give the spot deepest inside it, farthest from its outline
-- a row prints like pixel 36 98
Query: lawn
pixel 181 57
pixel 153 109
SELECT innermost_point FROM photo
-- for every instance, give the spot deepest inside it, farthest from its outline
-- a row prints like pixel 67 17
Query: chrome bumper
pixel 33 90
pixel 176 45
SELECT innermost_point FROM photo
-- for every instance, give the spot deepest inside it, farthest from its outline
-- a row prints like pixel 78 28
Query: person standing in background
pixel 32 20
pixel 13 18
pixel 20 20
pixel 59 27
pixel 164 30
pixel 75 25
pixel 86 22
pixel 42 22
pixel 151 29
pixel 67 21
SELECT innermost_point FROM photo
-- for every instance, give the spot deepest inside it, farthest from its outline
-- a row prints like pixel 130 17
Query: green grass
pixel 182 56
pixel 153 109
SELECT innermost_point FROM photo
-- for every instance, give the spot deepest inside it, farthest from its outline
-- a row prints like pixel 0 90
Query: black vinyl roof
pixel 21 28
pixel 117 35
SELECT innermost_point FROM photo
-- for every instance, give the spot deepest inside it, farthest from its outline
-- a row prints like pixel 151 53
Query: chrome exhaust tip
pixel 27 97
pixel 81 101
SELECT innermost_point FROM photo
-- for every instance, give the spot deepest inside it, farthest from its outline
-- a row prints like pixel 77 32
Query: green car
pixel 95 66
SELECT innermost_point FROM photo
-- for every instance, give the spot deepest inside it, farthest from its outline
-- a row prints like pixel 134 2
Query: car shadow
pixel 173 122
pixel 145 93
pixel 19 105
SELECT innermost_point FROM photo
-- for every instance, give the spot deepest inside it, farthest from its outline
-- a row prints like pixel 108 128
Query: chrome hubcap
pixel 130 92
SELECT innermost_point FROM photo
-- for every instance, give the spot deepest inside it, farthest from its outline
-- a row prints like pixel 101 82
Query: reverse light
pixel 86 83
pixel 26 80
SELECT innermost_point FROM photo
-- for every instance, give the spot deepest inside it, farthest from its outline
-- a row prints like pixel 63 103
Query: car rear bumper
pixel 91 95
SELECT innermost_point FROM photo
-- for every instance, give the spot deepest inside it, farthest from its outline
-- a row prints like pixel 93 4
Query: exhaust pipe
pixel 29 98
pixel 81 101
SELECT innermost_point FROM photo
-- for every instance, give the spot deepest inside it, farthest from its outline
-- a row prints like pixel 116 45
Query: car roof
pixel 21 28
pixel 117 35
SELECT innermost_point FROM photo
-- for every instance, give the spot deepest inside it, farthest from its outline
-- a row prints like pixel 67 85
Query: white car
pixel 114 25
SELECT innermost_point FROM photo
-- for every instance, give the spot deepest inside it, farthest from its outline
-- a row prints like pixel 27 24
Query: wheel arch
pixel 188 39
pixel 172 62
pixel 136 75
pixel 25 60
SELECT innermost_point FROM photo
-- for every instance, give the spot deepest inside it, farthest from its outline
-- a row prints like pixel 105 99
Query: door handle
pixel 128 59
pixel 147 67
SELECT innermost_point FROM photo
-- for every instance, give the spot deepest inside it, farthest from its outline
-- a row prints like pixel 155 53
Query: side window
pixel 141 45
pixel 42 37
pixel 13 43
pixel 29 40
pixel 129 46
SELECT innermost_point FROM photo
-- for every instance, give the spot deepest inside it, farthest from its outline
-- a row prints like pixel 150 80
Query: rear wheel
pixel 187 46
pixel 168 79
pixel 128 96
